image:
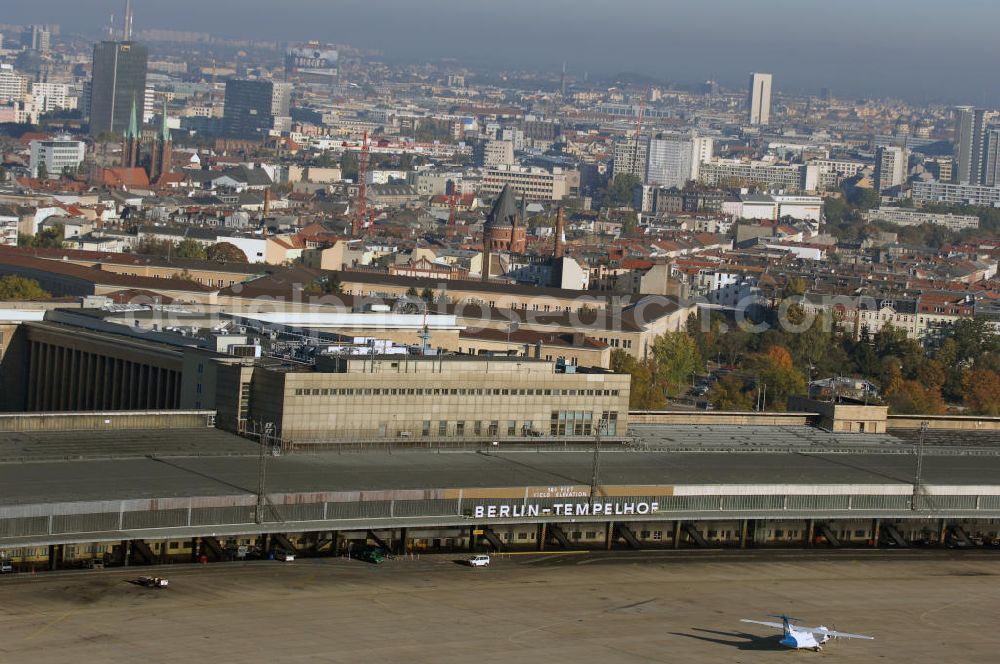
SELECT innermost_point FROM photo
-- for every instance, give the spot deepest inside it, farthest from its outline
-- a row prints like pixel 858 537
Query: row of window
pixel 444 391
pixel 580 423
pixel 617 343
pixel 563 423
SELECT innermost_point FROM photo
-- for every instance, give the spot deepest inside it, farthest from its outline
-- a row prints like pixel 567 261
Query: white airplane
pixel 796 636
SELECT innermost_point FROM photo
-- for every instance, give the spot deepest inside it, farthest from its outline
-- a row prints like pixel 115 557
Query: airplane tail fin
pixel 785 622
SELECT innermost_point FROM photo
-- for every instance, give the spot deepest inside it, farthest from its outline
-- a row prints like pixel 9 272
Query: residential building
pixel 760 174
pixel 50 97
pixel 631 157
pixel 497 153
pixel 890 167
pixel 281 98
pixel 970 128
pixel 118 82
pixel 13 86
pixel 759 99
pixel 956 194
pixel 909 217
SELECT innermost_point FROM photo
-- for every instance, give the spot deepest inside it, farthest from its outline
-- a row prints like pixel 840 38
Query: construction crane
pixel 361 209
pixel 638 134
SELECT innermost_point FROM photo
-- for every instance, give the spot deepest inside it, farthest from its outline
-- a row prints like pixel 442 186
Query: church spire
pixel 165 130
pixel 133 124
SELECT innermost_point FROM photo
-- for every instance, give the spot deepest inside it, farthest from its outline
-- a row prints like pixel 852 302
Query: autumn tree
pixel 778 375
pixel 13 287
pixel 981 392
pixel 225 252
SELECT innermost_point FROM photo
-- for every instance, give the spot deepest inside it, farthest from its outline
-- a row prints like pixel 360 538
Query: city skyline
pixel 719 40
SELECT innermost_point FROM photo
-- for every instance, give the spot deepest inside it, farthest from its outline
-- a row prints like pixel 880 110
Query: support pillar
pixel 609 537
pixel 743 533
pixel 126 552
pixel 335 544
pixel 401 547
pixel 944 532
pixel 195 549
pixel 876 527
pixel 543 533
pixel 677 534
pixel 53 556
pixel 810 532
pixel 472 538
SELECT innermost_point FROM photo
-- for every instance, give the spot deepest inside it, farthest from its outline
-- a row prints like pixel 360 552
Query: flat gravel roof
pixel 115 479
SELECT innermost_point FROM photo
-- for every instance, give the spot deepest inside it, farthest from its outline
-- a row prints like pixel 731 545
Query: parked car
pixel 481 560
pixel 284 556
pixel 6 567
pixel 373 555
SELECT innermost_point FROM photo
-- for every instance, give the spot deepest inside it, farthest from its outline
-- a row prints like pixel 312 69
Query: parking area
pixel 620 607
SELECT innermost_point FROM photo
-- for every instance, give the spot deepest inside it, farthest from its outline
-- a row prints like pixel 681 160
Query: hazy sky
pixel 920 49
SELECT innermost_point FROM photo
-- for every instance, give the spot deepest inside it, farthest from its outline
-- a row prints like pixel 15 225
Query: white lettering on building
pixel 565 509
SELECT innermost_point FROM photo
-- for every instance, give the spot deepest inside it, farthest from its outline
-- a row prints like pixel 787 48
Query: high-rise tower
pixel 759 99
pixel 119 78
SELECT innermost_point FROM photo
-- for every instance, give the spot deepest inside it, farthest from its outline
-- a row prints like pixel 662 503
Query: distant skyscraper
pixel 119 80
pixel 759 99
pixel 249 110
pixel 970 138
pixel 890 167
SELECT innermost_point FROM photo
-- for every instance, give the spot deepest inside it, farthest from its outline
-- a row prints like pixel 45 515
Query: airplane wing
pixel 765 624
pixel 832 633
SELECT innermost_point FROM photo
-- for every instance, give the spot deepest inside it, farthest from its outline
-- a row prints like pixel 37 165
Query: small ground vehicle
pixel 95 563
pixel 152 581
pixel 372 555
pixel 481 560
pixel 6 567
pixel 284 556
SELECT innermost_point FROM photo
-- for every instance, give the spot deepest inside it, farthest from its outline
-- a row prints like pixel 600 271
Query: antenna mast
pixel 127 24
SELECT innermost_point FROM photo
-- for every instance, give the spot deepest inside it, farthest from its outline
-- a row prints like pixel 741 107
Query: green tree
pixel 49 238
pixel 15 288
pixel 188 248
pixel 677 358
pixel 728 394
pixel 150 246
pixel 835 210
pixel 43 171
pixel 427 295
pixel 645 392
pixel 225 252
pixel 619 191
pixel 864 198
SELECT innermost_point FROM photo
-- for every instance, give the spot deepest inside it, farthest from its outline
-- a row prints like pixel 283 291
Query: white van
pixel 482 560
